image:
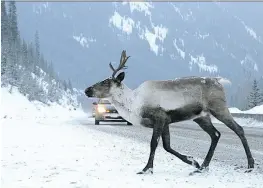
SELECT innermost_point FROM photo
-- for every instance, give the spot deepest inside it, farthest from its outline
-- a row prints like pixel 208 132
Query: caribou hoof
pixel 148 171
pixel 200 170
pixel 194 172
pixel 249 170
pixel 196 164
pixel 241 168
pixel 251 165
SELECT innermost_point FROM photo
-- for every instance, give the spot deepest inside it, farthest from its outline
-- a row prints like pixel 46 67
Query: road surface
pixel 188 138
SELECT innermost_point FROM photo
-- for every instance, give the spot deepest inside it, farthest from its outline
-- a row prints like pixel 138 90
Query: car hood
pixel 108 106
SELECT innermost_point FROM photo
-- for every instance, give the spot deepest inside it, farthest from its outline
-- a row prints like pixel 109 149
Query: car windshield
pixel 104 101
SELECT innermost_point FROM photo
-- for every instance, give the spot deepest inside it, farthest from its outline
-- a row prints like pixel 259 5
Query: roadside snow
pixel 244 122
pixel 255 110
pixel 14 105
pixel 71 155
pixel 234 110
pixel 46 147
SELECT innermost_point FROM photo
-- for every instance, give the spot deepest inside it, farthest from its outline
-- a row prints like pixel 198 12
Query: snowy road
pixel 188 138
pixel 54 152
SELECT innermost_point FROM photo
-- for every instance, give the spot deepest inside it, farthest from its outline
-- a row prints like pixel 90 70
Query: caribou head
pixel 106 88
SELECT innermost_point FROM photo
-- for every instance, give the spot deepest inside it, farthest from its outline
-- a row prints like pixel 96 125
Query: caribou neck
pixel 122 99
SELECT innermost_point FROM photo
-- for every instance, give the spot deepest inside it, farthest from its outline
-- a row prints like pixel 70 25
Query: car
pixel 104 111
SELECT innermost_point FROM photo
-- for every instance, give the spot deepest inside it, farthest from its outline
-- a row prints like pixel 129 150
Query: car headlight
pixel 101 109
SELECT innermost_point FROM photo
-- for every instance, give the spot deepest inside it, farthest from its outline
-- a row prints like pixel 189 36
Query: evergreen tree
pixel 4 21
pixel 52 92
pixel 13 31
pixel 255 97
pixel 21 64
pixel 42 63
pixel 26 82
pixel 37 46
pixel 4 37
pixel 50 70
pixel 31 56
pixel 65 86
pixel 13 22
pixel 24 50
pixel 13 56
pixel 18 47
pixel 40 94
pixel 70 85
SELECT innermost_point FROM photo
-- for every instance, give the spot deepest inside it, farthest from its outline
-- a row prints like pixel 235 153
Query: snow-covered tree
pixel 53 94
pixel 255 97
pixel 65 85
pixel 40 94
pixel 70 85
pixel 4 37
pixel 13 22
pixel 25 61
pixel 37 47
pixel 24 66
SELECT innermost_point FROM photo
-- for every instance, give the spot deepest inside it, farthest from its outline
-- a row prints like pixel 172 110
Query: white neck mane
pixel 123 99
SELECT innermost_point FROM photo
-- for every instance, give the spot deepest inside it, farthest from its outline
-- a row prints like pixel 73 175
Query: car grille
pixel 113 111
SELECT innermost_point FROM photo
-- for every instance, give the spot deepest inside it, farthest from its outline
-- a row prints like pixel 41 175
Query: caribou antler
pixel 121 66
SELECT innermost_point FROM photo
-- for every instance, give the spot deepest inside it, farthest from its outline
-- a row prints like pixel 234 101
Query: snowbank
pixel 234 110
pixel 255 110
pixel 244 122
pixel 72 155
pixel 17 106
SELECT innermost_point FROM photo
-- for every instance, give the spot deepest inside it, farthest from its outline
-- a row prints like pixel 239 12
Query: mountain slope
pixel 25 68
pixel 165 40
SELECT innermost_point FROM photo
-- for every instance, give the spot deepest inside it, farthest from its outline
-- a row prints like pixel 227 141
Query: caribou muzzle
pixel 89 92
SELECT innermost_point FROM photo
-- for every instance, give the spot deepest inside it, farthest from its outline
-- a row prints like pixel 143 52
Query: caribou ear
pixel 120 77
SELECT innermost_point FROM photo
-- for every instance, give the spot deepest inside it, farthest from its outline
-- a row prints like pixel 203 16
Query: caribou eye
pixel 106 83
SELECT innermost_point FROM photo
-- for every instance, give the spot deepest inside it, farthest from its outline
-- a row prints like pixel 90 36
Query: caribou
pixel 158 103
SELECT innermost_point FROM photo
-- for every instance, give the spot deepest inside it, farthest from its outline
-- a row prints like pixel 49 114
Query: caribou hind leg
pixel 167 147
pixel 206 124
pixel 223 115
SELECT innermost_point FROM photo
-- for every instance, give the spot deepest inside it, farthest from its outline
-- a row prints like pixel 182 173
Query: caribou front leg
pixel 157 131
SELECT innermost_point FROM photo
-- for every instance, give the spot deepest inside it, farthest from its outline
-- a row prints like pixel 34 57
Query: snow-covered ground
pixel 63 154
pixel 247 122
pixel 234 110
pixel 16 106
pixel 46 147
pixel 255 110
pixel 244 122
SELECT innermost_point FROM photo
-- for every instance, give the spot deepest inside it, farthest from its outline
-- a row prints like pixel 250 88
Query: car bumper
pixel 109 117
